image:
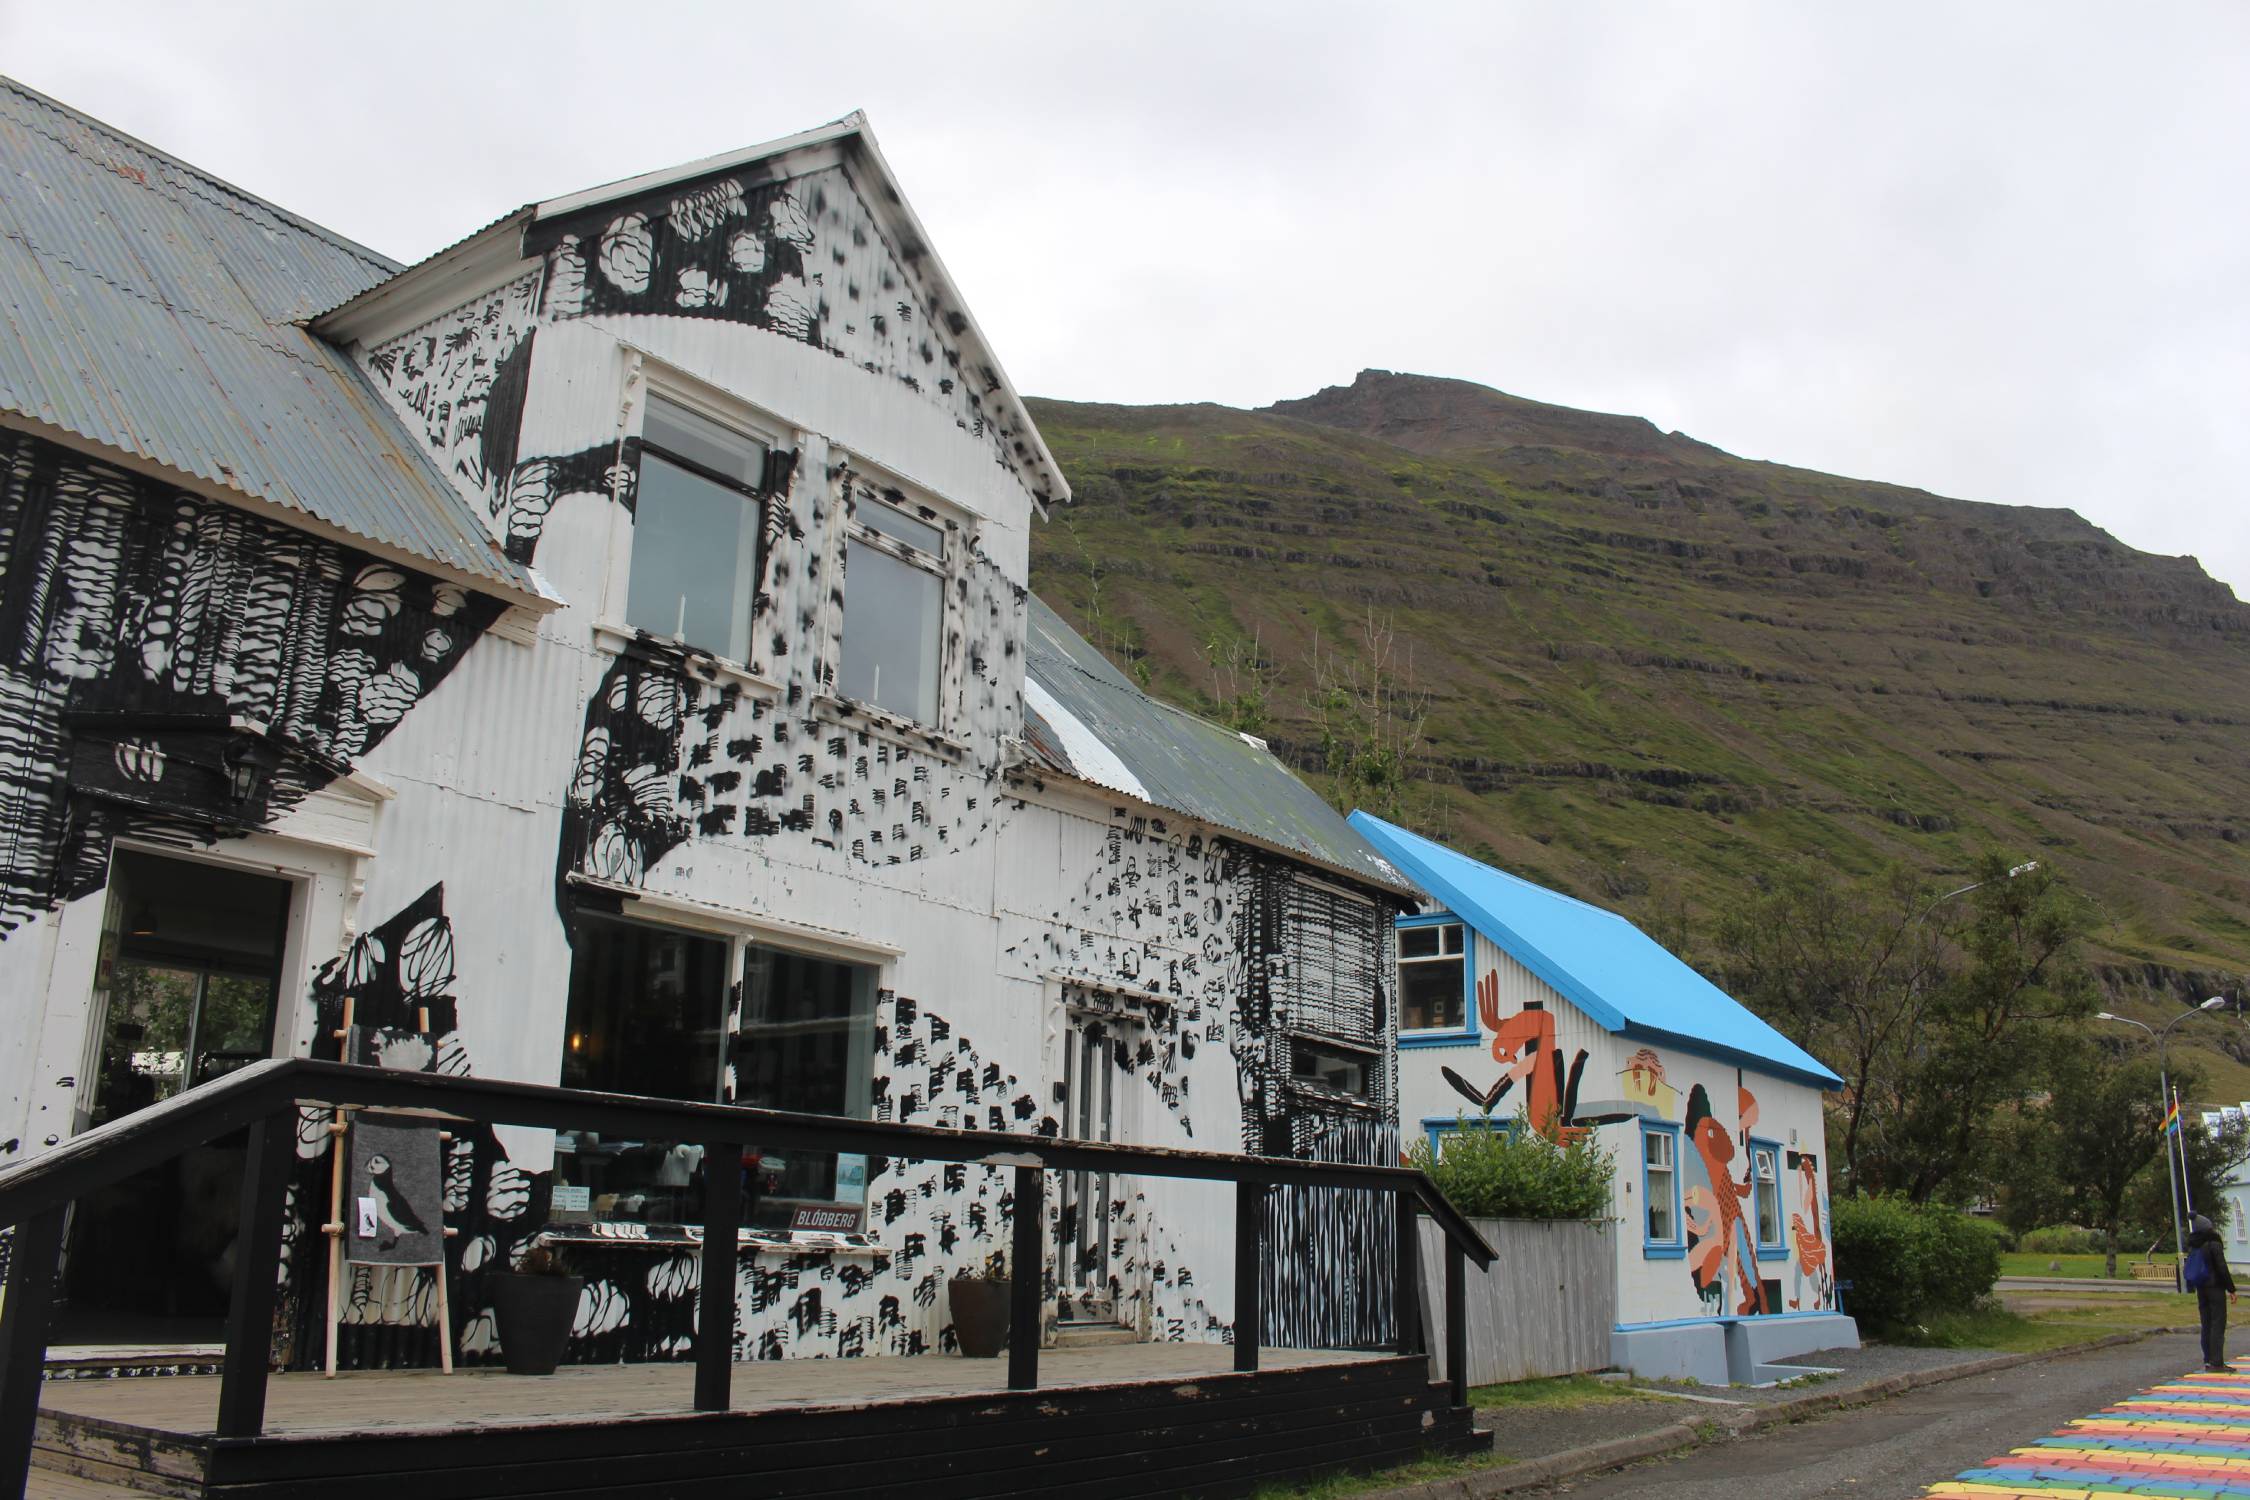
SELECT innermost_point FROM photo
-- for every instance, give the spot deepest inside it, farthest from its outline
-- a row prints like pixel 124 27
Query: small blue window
pixel 1442 1129
pixel 1660 1192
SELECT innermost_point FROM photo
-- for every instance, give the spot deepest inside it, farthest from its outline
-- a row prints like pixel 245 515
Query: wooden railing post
pixel 1249 1268
pixel 257 1267
pixel 1407 1298
pixel 714 1300
pixel 1457 1320
pixel 1027 1264
pixel 32 1264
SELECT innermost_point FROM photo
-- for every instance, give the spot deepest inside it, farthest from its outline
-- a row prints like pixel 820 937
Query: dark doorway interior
pixel 186 989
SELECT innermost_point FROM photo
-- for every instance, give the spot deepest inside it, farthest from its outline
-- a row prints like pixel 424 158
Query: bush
pixel 1879 1251
pixel 1905 1262
pixel 2062 1239
pixel 1960 1260
pixel 2003 1238
pixel 1519 1174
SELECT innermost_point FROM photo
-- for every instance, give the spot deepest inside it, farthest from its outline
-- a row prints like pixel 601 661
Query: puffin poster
pixel 393 1203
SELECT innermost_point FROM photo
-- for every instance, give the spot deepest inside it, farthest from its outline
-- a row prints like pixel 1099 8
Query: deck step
pixel 1092 1335
pixel 105 1361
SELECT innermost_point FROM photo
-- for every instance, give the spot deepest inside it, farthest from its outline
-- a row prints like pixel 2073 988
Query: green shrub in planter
pixel 1519 1174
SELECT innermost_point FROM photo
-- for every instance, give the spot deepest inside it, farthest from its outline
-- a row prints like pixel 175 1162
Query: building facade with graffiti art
pixel 1521 1008
pixel 602 654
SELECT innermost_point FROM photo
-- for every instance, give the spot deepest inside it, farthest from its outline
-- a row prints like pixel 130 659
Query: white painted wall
pixel 1653 1285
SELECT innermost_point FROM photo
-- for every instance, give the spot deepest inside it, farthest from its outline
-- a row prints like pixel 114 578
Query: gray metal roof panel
pixel 151 309
pixel 1172 759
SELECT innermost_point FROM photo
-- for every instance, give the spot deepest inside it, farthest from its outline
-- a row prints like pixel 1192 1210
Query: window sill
pixel 614 640
pixel 1409 1040
pixel 1664 1252
pixel 850 713
pixel 1773 1252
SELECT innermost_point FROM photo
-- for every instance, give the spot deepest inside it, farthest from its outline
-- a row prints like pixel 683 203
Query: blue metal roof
pixel 1628 982
pixel 152 310
pixel 1086 719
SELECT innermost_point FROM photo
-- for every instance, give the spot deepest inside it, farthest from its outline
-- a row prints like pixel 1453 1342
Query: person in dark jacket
pixel 2208 1304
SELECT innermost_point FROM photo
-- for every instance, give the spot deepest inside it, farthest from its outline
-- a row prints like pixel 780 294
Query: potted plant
pixel 979 1301
pixel 534 1308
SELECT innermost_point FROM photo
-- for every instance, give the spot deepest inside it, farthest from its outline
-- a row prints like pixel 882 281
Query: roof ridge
pixel 375 259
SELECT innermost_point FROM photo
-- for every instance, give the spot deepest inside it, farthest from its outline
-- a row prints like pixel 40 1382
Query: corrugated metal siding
pixel 149 309
pixel 1182 762
pixel 1545 1307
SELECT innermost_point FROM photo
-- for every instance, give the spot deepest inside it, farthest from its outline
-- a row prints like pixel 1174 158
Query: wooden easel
pixel 339 1167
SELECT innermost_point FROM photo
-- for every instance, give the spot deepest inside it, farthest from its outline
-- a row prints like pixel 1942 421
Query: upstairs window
pixel 697 523
pixel 1334 1069
pixel 1432 978
pixel 894 610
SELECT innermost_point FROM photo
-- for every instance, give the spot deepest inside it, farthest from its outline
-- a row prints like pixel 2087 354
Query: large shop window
pixel 807 1043
pixel 894 611
pixel 697 520
pixel 1433 977
pixel 648 1015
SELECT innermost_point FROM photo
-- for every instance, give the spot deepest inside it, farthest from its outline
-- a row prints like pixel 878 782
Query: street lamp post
pixel 2175 1180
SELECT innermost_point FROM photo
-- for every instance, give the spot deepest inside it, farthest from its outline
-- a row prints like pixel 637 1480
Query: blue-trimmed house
pixel 1518 1004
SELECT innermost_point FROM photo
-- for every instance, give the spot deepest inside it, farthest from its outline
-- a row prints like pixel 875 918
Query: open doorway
pixel 185 992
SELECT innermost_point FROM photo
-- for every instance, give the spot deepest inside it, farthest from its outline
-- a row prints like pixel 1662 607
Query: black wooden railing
pixel 35 1197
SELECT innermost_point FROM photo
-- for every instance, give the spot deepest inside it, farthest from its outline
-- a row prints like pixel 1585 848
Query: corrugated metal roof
pixel 1086 719
pixel 151 309
pixel 1627 981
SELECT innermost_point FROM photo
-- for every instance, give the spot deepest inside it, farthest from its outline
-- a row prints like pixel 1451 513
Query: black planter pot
pixel 534 1314
pixel 980 1315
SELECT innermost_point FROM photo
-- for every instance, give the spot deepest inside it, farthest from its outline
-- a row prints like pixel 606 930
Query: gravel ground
pixel 1536 1431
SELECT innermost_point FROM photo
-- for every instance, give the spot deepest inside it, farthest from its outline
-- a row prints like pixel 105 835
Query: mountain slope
pixel 1655 670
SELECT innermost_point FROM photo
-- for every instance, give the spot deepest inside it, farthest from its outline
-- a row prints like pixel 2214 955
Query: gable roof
pixel 1629 983
pixel 531 230
pixel 1086 719
pixel 152 311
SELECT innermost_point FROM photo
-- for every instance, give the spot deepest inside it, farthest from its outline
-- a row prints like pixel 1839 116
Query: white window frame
pixel 958 532
pixel 1424 1036
pixel 611 633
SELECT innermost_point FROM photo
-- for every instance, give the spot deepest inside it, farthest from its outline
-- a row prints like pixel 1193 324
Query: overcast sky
pixel 2001 251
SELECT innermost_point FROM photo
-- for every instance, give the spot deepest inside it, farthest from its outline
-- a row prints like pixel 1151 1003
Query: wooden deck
pixel 1138 1419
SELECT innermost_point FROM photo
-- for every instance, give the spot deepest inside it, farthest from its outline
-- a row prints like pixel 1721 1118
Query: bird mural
pixel 1812 1244
pixel 392 1212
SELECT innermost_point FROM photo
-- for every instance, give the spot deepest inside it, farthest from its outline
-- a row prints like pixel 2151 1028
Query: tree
pixel 1371 715
pixel 2083 1154
pixel 1937 1012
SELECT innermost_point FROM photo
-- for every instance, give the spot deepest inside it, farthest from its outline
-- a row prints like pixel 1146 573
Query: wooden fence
pixel 1545 1306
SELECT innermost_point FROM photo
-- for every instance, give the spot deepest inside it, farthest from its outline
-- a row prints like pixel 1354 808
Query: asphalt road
pixel 1892 1450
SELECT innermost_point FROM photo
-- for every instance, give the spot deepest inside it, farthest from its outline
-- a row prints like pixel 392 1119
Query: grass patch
pixel 1343 1486
pixel 2021 1263
pixel 2019 1332
pixel 1561 1390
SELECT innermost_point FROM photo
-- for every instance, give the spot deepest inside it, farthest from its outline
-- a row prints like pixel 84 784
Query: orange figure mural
pixel 1709 1256
pixel 1526 1046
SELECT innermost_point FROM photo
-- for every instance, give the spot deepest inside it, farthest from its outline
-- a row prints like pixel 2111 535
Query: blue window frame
pixel 1663 1229
pixel 1440 1127
pixel 1436 982
pixel 1766 1217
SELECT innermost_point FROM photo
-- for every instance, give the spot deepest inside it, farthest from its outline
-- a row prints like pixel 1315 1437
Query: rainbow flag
pixel 2171 1125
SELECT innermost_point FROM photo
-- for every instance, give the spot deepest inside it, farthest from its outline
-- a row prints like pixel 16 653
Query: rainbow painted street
pixel 2185 1439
